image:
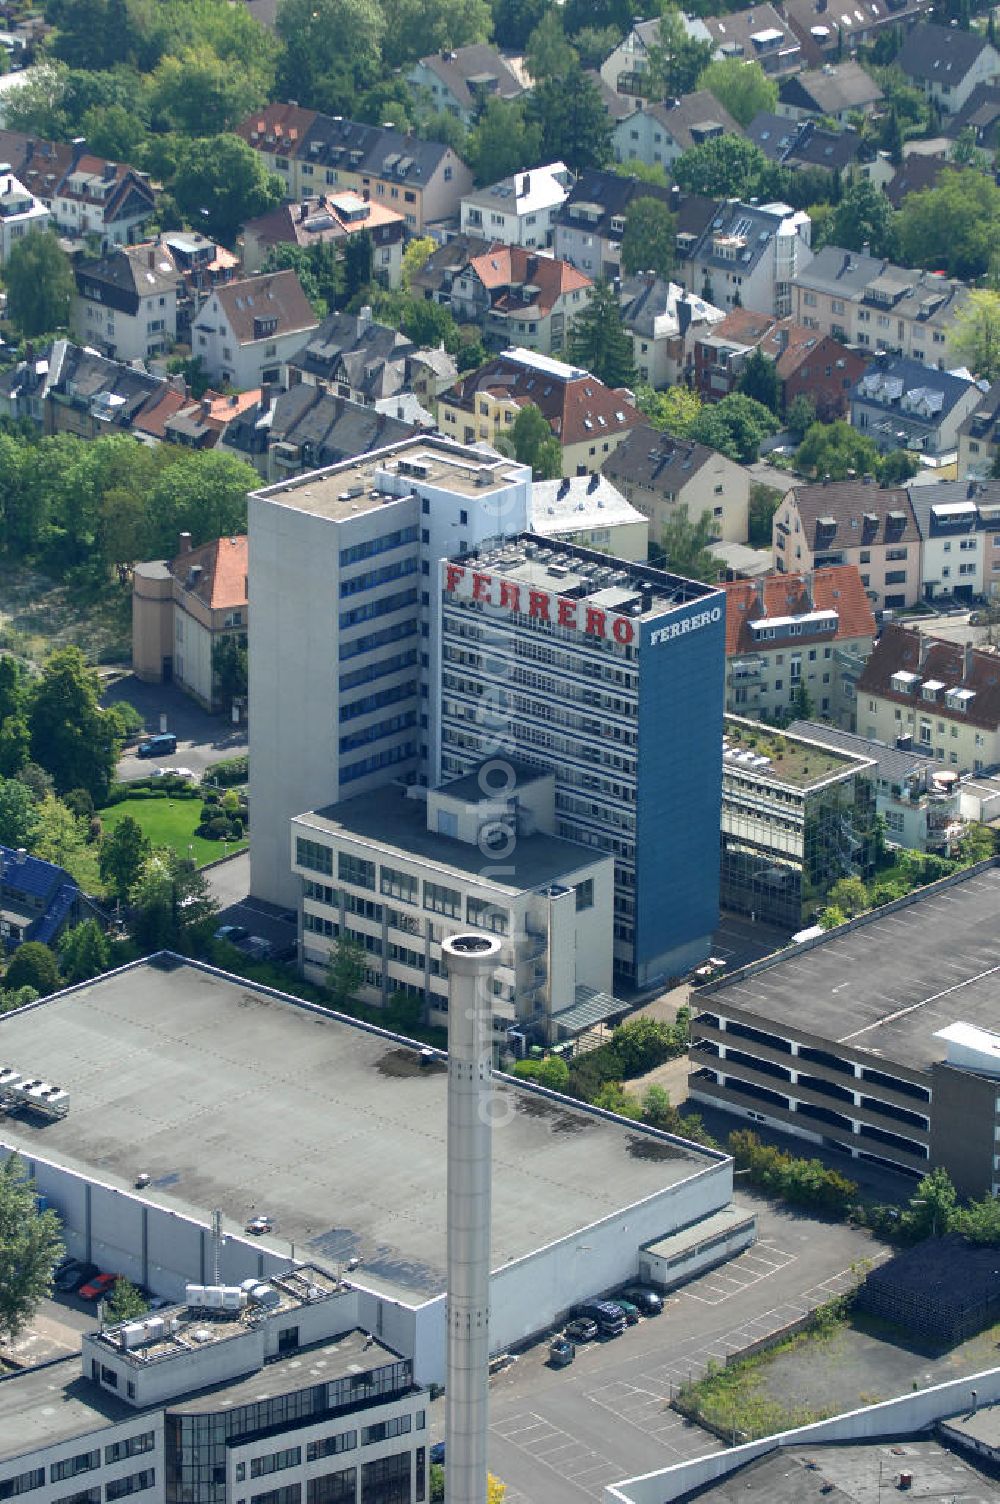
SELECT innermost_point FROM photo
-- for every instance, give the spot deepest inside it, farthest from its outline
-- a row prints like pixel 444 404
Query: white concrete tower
pixel 472 959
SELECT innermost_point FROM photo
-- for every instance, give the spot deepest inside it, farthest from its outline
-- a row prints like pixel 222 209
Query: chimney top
pixel 185 542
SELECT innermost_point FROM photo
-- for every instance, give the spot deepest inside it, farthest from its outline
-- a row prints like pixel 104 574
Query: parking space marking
pixel 544 1443
pixel 747 1269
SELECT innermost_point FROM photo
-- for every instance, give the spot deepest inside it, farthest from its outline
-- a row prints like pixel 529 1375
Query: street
pixel 201 738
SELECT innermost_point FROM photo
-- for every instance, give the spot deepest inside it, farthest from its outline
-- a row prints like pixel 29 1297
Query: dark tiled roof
pixel 364 349
pixel 828 90
pixel 459 68
pixel 334 428
pixel 446 261
pixel 939 54
pixel 981 110
pixel 837 588
pixel 612 193
pixel 656 461
pixel 126 275
pixel 278 295
pixel 860 515
pixel 899 648
pixel 327 141
pixel 917 172
pixel 693 118
pixel 618 106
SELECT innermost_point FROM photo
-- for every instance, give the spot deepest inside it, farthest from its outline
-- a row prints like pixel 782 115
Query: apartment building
pixel 758 35
pixel 589 227
pixel 463 80
pixel 948 63
pixel 979 436
pixel 828 36
pixel 796 817
pixel 959 523
pixel 182 608
pixel 656 133
pixel 659 474
pixel 589 511
pixel 899 1068
pixel 665 322
pixel 243 1385
pixel 867 301
pixel 399 870
pixel 789 636
pixel 580 665
pixel 20 213
pixel 899 404
pixel 852 522
pixel 520 298
pixel 125 304
pixel 346 625
pixel 246 330
pixel 519 210
pixel 747 256
pixel 941 695
pixel 588 418
pixel 306 428
pixel 63 388
pixel 330 219
pixel 313 153
pixel 807 364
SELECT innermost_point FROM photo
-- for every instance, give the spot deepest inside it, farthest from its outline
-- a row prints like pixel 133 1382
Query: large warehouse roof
pixel 891 983
pixel 229 1096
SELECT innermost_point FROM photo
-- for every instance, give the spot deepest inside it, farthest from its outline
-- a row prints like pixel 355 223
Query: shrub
pixel 81 802
pixel 217 828
pixel 230 801
pixel 208 812
pixel 117 794
pixel 229 771
pixel 803 1182
pixel 209 796
pixel 236 829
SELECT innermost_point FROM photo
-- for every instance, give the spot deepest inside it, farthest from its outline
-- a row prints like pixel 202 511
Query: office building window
pixel 331 1446
pixel 442 900
pixel 585 894
pixel 135 1483
pixel 314 856
pixel 396 884
pixel 83 1462
pixel 355 871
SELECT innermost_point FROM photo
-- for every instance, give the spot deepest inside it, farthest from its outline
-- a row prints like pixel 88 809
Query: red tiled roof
pixel 514 266
pixel 289 122
pixel 163 406
pixel 899 648
pixel 837 588
pixel 578 410
pixel 222 584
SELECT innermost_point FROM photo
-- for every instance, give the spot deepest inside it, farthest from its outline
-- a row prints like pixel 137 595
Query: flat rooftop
pixel 381 477
pixel 352 1352
pixel 40 1406
pixel 890 984
pixel 390 820
pixel 227 1096
pixel 591 578
pixel 856 1473
pixel 776 757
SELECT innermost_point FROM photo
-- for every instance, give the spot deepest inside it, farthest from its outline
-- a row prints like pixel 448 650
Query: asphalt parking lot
pixel 559 1437
pixel 201 738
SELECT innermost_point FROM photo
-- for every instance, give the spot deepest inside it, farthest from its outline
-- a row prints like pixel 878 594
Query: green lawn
pixel 171 822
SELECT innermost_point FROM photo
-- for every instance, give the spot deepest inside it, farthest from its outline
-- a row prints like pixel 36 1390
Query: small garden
pixel 196 823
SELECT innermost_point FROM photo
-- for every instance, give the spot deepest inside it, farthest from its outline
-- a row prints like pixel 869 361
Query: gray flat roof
pixel 351 1352
pixel 229 1096
pixel 891 983
pixel 858 1473
pixel 399 824
pixel 41 1406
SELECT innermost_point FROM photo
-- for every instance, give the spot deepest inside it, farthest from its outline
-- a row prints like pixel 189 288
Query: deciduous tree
pixel 650 239
pixel 834 448
pixel 863 217
pixel 573 122
pixel 221 182
pixel 420 27
pixel 532 442
pixel 30 1247
pixel 70 734
pixel 726 167
pixel 760 381
pixel 19 818
pixel 685 546
pixel 39 284
pixel 742 88
pixel 736 426
pixel 123 851
pixel 674 411
pixel 346 970
pixel 125 1303
pixel 33 965
pixel 975 334
pixel 331 51
pixel 172 906
pixel 503 141
pixel 953 226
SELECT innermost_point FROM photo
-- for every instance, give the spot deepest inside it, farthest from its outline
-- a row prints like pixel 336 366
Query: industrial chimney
pixel 471 960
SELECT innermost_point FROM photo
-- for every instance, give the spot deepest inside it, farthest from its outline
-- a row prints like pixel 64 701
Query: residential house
pixel 518 297
pixel 200 423
pixel 519 210
pixel 760 34
pixel 980 114
pixel 313 153
pixel 747 256
pixel 899 404
pixel 88 198
pixel 463 80
pixel 66 389
pixel 150 424
pixel 624 71
pixel 656 133
pixel 434 280
pixel 721 352
pixel 828 35
pixel 948 63
pixel 617 106
pixel 38 900
pixel 588 418
pixel 125 304
pixel 979 436
pixel 283 434
pixel 354 357
pixel 788 633
pixel 20 212
pixel 665 322
pixel 808 364
pixel 938 697
pixel 246 330
pixel 330 219
pixel 806 143
pixel 428 374
pixel 182 608
pixel 589 228
pixel 917 799
pixel 588 511
pixel 836 91
pixel 852 522
pixel 915 174
pixel 866 300
pixel 658 474
pixel 202 265
pixel 960 525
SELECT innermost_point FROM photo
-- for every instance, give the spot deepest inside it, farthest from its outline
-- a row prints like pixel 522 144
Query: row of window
pixel 384 606
pixel 379 669
pixel 374 733
pixel 380 545
pixel 374 577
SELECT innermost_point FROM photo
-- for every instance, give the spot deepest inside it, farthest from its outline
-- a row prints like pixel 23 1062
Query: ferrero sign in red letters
pixel 541 604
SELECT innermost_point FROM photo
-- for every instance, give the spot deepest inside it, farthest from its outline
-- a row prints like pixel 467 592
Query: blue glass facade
pixel 679 787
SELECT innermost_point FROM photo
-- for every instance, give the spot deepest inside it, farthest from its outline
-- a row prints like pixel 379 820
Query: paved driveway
pixel 561 1437
pixel 201 738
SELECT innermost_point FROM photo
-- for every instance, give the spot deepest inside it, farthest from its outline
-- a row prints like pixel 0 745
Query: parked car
pixel 234 933
pixel 649 1303
pixel 97 1287
pixel 561 1353
pixel 257 948
pixel 188 773
pixel 581 1329
pixel 157 746
pixel 437 1453
pixel 72 1273
pixel 628 1310
pixel 259 1225
pixel 609 1318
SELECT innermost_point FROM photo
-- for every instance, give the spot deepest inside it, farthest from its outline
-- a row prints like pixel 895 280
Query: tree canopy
pixel 975 334
pixel 533 443
pixel 727 167
pixel 741 87
pixel 650 239
pixel 863 217
pixel 71 736
pixel 599 340
pixel 30 1248
pixel 953 226
pixel 736 426
pixel 221 182
pixel 573 124
pixel 39 284
pixel 685 541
